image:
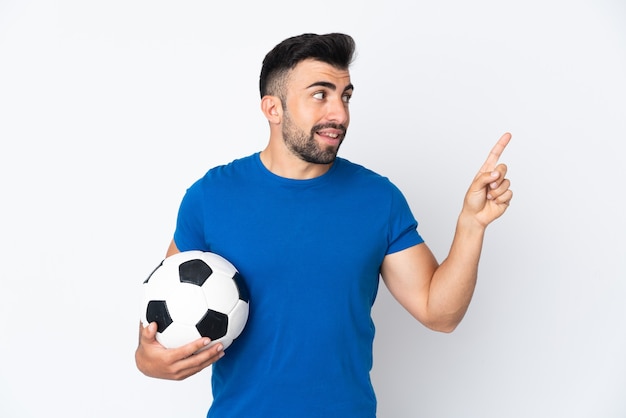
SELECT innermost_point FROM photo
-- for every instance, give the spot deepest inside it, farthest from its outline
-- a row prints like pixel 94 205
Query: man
pixel 311 232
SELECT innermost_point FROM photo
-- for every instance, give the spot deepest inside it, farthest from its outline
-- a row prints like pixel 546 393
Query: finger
pixel 495 153
pixel 207 356
pixel 495 193
pixel 200 360
pixel 148 333
pixel 195 347
pixel 504 198
pixel 496 176
pixel 490 180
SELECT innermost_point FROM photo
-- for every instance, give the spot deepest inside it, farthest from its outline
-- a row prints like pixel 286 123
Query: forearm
pixel 454 281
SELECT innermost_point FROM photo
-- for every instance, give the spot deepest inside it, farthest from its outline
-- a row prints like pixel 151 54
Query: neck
pixel 284 164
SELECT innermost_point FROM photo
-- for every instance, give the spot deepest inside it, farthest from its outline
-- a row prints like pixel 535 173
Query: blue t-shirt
pixel 310 252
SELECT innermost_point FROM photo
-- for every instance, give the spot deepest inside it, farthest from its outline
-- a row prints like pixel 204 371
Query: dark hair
pixel 336 49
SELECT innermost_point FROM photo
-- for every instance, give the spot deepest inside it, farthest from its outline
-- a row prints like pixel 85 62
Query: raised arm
pixel 439 295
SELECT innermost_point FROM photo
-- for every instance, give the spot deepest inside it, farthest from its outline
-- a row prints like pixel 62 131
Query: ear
pixel 272 108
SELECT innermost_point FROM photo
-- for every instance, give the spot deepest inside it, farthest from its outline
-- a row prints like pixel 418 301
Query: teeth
pixel 329 134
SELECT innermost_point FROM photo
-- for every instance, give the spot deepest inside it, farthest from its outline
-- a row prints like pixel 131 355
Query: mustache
pixel 337 126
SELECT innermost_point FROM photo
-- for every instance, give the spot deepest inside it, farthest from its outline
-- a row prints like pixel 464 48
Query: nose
pixel 338 111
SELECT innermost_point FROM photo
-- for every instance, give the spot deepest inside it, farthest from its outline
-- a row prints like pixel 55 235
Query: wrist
pixel 469 222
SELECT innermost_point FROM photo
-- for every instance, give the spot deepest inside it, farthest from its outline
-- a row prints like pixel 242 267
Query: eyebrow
pixel 330 85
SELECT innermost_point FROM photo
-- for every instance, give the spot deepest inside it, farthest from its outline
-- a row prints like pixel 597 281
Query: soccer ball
pixel 194 294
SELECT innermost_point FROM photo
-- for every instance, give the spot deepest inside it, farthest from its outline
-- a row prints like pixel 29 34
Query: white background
pixel 110 109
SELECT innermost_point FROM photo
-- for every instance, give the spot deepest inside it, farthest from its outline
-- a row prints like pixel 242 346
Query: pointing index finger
pixel 494 154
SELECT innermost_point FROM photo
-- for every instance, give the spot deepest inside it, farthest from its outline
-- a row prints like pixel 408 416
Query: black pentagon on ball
pixel 194 272
pixel 156 311
pixel 213 325
pixel 241 286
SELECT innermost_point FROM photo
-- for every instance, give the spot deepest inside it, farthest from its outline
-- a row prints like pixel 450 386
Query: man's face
pixel 316 115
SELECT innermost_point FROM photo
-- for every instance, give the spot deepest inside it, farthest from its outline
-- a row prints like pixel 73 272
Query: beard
pixel 304 145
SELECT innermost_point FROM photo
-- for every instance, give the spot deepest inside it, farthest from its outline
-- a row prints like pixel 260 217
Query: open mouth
pixel 331 134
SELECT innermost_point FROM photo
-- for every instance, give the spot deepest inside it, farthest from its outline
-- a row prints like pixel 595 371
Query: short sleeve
pixel 402 224
pixel 189 234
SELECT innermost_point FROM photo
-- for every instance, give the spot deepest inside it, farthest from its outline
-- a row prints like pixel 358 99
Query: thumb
pixel 485 181
pixel 491 180
pixel 148 332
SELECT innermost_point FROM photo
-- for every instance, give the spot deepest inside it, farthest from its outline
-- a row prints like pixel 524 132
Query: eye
pixel 346 97
pixel 320 95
